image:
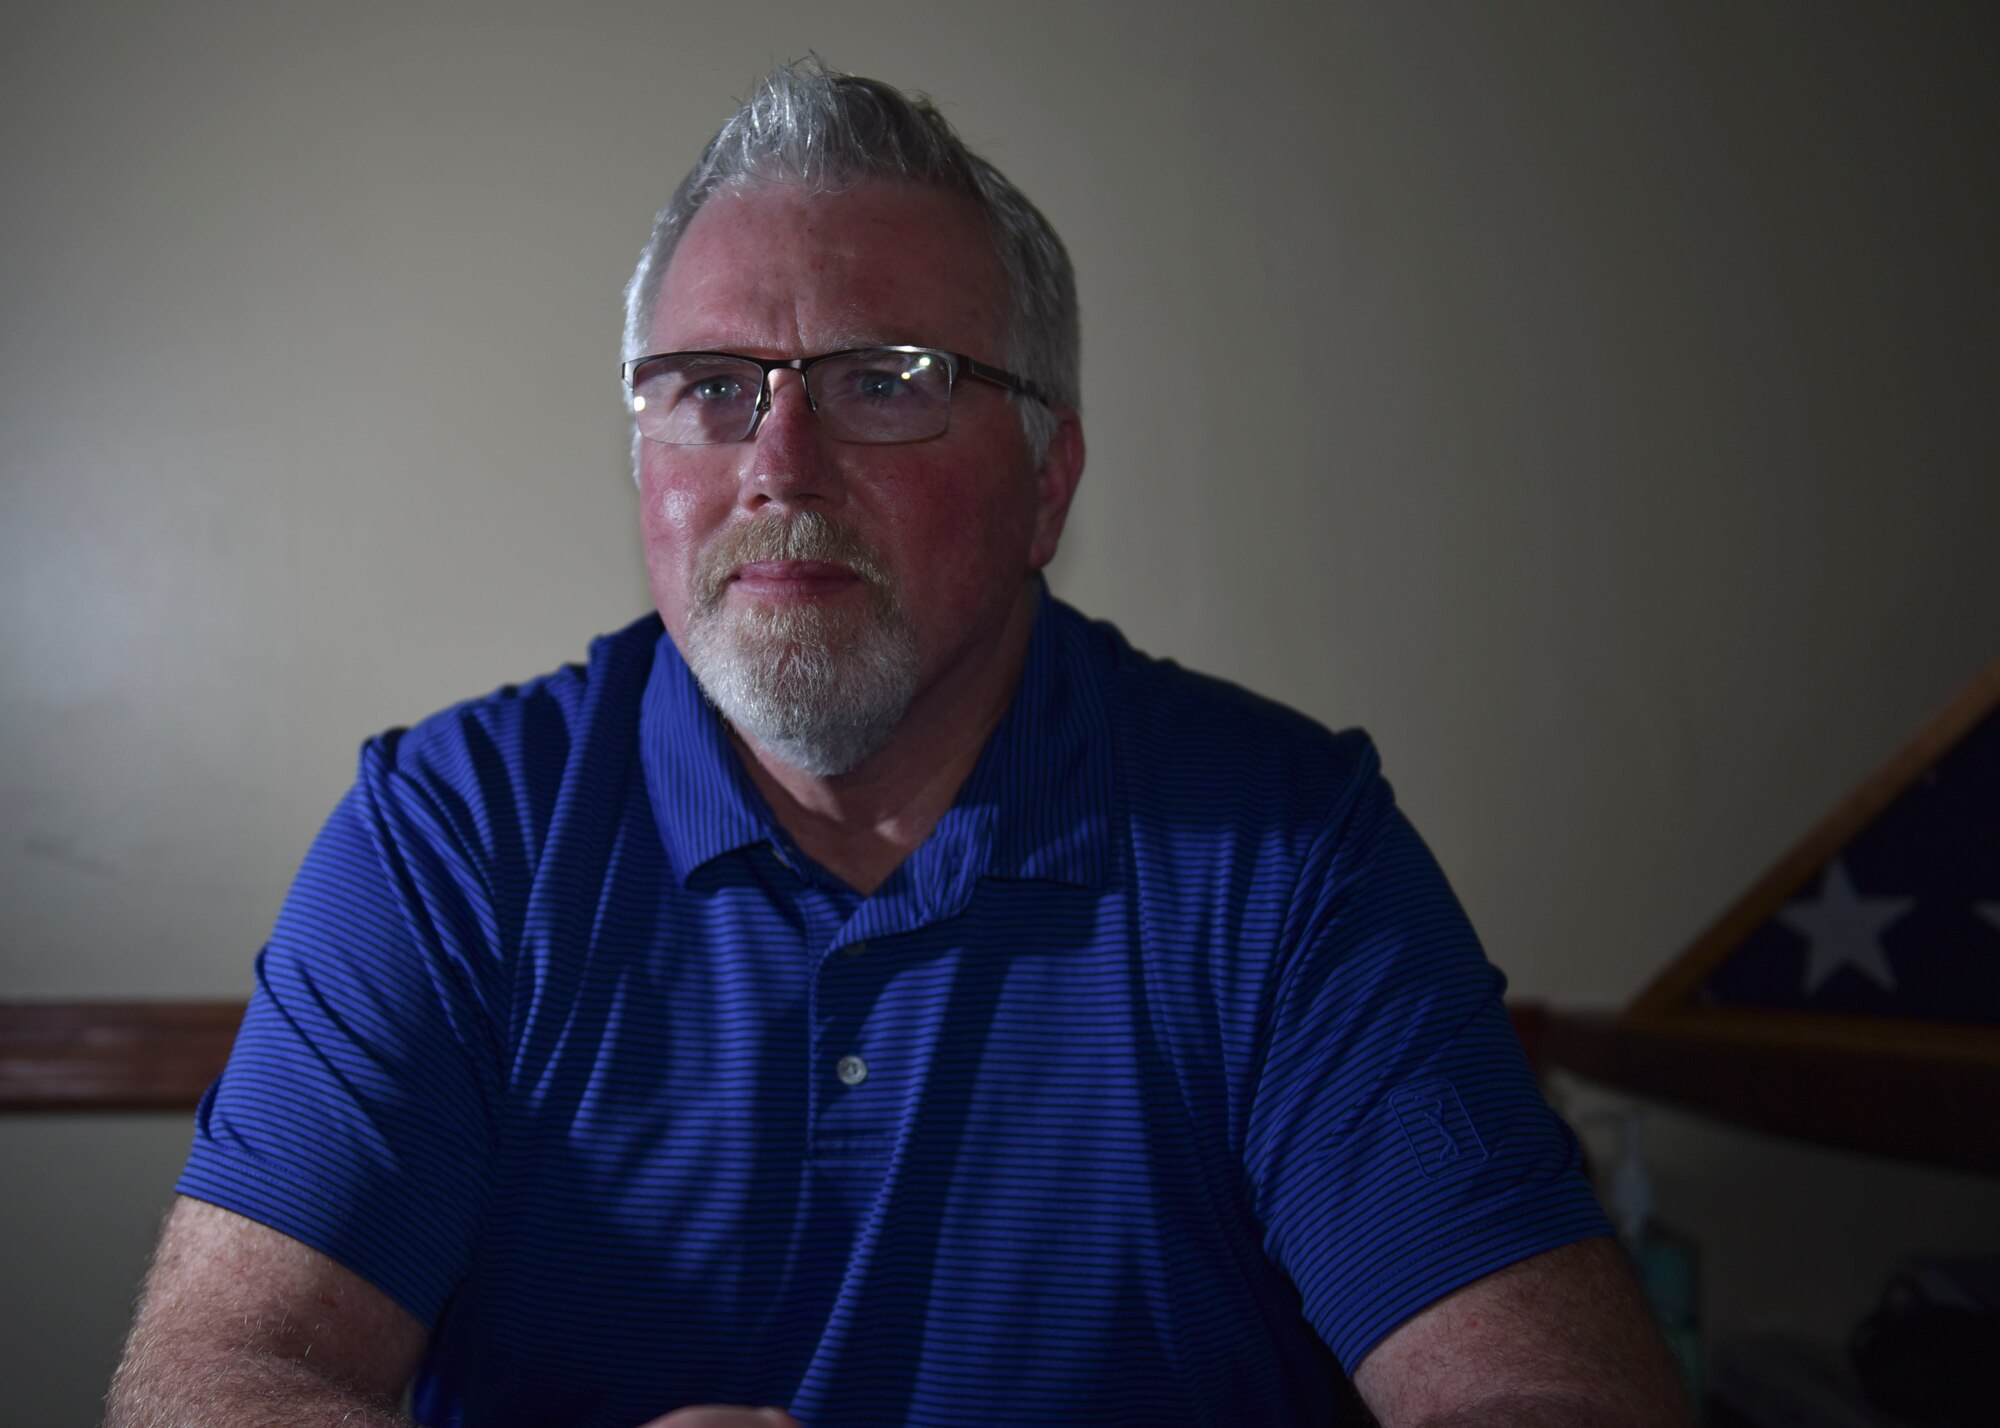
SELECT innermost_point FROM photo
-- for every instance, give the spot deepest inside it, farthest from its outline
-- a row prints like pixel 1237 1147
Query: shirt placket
pixel 858 1083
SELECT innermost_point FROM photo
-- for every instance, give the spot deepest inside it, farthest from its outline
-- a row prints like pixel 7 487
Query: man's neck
pixel 861 825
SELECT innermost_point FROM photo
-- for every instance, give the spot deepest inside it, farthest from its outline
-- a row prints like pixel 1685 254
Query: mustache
pixel 808 535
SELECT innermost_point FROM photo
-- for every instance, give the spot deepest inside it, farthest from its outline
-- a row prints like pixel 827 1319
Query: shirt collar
pixel 703 801
pixel 1037 804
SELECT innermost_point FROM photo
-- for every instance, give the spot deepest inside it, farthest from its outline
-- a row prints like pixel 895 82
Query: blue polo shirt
pixel 1159 1083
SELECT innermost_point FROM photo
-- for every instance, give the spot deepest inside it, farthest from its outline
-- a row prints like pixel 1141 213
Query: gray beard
pixel 819 689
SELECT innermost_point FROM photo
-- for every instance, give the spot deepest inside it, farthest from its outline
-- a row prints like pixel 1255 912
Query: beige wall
pixel 1629 467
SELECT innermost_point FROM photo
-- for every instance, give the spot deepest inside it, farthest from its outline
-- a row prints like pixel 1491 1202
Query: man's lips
pixel 792 579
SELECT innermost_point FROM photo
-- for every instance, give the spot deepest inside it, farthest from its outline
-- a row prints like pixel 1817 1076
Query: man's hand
pixel 1562 1339
pixel 717 1416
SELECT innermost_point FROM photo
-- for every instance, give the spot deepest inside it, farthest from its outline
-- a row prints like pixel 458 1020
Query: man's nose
pixel 789 462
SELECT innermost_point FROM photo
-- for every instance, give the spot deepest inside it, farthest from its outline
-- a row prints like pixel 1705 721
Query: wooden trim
pixel 112 1056
pixel 161 1056
pixel 1912 1091
pixel 1676 985
pixel 1949 1043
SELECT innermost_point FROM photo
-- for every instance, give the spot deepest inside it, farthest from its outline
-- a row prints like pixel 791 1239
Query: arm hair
pixel 1562 1339
pixel 240 1326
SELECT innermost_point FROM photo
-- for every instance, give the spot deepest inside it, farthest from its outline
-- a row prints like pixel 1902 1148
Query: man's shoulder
pixel 533 730
pixel 1194 736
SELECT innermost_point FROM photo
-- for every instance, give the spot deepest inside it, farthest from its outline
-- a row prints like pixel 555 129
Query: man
pixel 871 991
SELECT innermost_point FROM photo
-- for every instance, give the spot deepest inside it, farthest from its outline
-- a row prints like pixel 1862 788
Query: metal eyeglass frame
pixel 955 362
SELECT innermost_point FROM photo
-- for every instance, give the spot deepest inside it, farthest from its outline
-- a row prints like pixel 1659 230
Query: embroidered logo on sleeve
pixel 1436 1125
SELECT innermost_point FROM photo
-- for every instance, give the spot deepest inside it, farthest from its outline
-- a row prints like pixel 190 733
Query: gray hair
pixel 807 124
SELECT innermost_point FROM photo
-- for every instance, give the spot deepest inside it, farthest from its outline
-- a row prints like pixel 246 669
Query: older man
pixel 870 990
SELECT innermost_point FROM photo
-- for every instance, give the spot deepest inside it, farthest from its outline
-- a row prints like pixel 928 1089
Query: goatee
pixel 819 688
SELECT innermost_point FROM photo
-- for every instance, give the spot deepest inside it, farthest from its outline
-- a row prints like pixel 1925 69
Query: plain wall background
pixel 1628 468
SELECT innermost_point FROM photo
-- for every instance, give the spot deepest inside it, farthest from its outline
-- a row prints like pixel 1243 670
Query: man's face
pixel 802 571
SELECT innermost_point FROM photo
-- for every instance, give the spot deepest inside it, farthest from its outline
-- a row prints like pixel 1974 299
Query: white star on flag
pixel 1845 929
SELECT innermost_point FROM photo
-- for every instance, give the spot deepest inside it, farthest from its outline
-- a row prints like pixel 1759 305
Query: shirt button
pixel 855 949
pixel 851 1070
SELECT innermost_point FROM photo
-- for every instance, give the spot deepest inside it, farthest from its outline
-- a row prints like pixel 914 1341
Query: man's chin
pixel 818 692
pixel 783 623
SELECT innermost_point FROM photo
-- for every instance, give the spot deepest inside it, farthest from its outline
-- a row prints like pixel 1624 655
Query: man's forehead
pixel 721 327
pixel 777 266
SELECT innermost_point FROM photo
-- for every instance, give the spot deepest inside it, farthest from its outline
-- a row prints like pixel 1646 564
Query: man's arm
pixel 241 1325
pixel 1562 1340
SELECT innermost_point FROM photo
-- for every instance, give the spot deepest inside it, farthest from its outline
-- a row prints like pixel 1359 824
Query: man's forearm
pixel 1556 1409
pixel 158 1387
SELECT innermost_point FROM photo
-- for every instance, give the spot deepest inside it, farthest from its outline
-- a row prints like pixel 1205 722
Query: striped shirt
pixel 1161 1081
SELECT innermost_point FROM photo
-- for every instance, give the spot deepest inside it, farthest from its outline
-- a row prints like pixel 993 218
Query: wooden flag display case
pixel 1851 996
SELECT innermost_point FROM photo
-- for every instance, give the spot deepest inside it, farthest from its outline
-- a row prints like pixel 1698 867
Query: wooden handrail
pixel 1928 1093
pixel 161 1056
pixel 112 1056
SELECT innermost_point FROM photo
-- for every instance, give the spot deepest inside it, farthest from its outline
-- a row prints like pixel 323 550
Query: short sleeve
pixel 1398 1146
pixel 357 1111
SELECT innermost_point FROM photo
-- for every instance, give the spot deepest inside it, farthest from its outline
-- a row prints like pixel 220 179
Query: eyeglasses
pixel 869 394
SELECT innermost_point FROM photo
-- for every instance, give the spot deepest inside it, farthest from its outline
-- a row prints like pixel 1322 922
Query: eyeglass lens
pixel 697 399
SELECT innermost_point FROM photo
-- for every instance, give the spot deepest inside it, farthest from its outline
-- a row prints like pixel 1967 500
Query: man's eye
pixel 881 385
pixel 715 389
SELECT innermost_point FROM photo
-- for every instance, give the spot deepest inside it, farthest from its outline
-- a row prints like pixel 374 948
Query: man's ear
pixel 1055 486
